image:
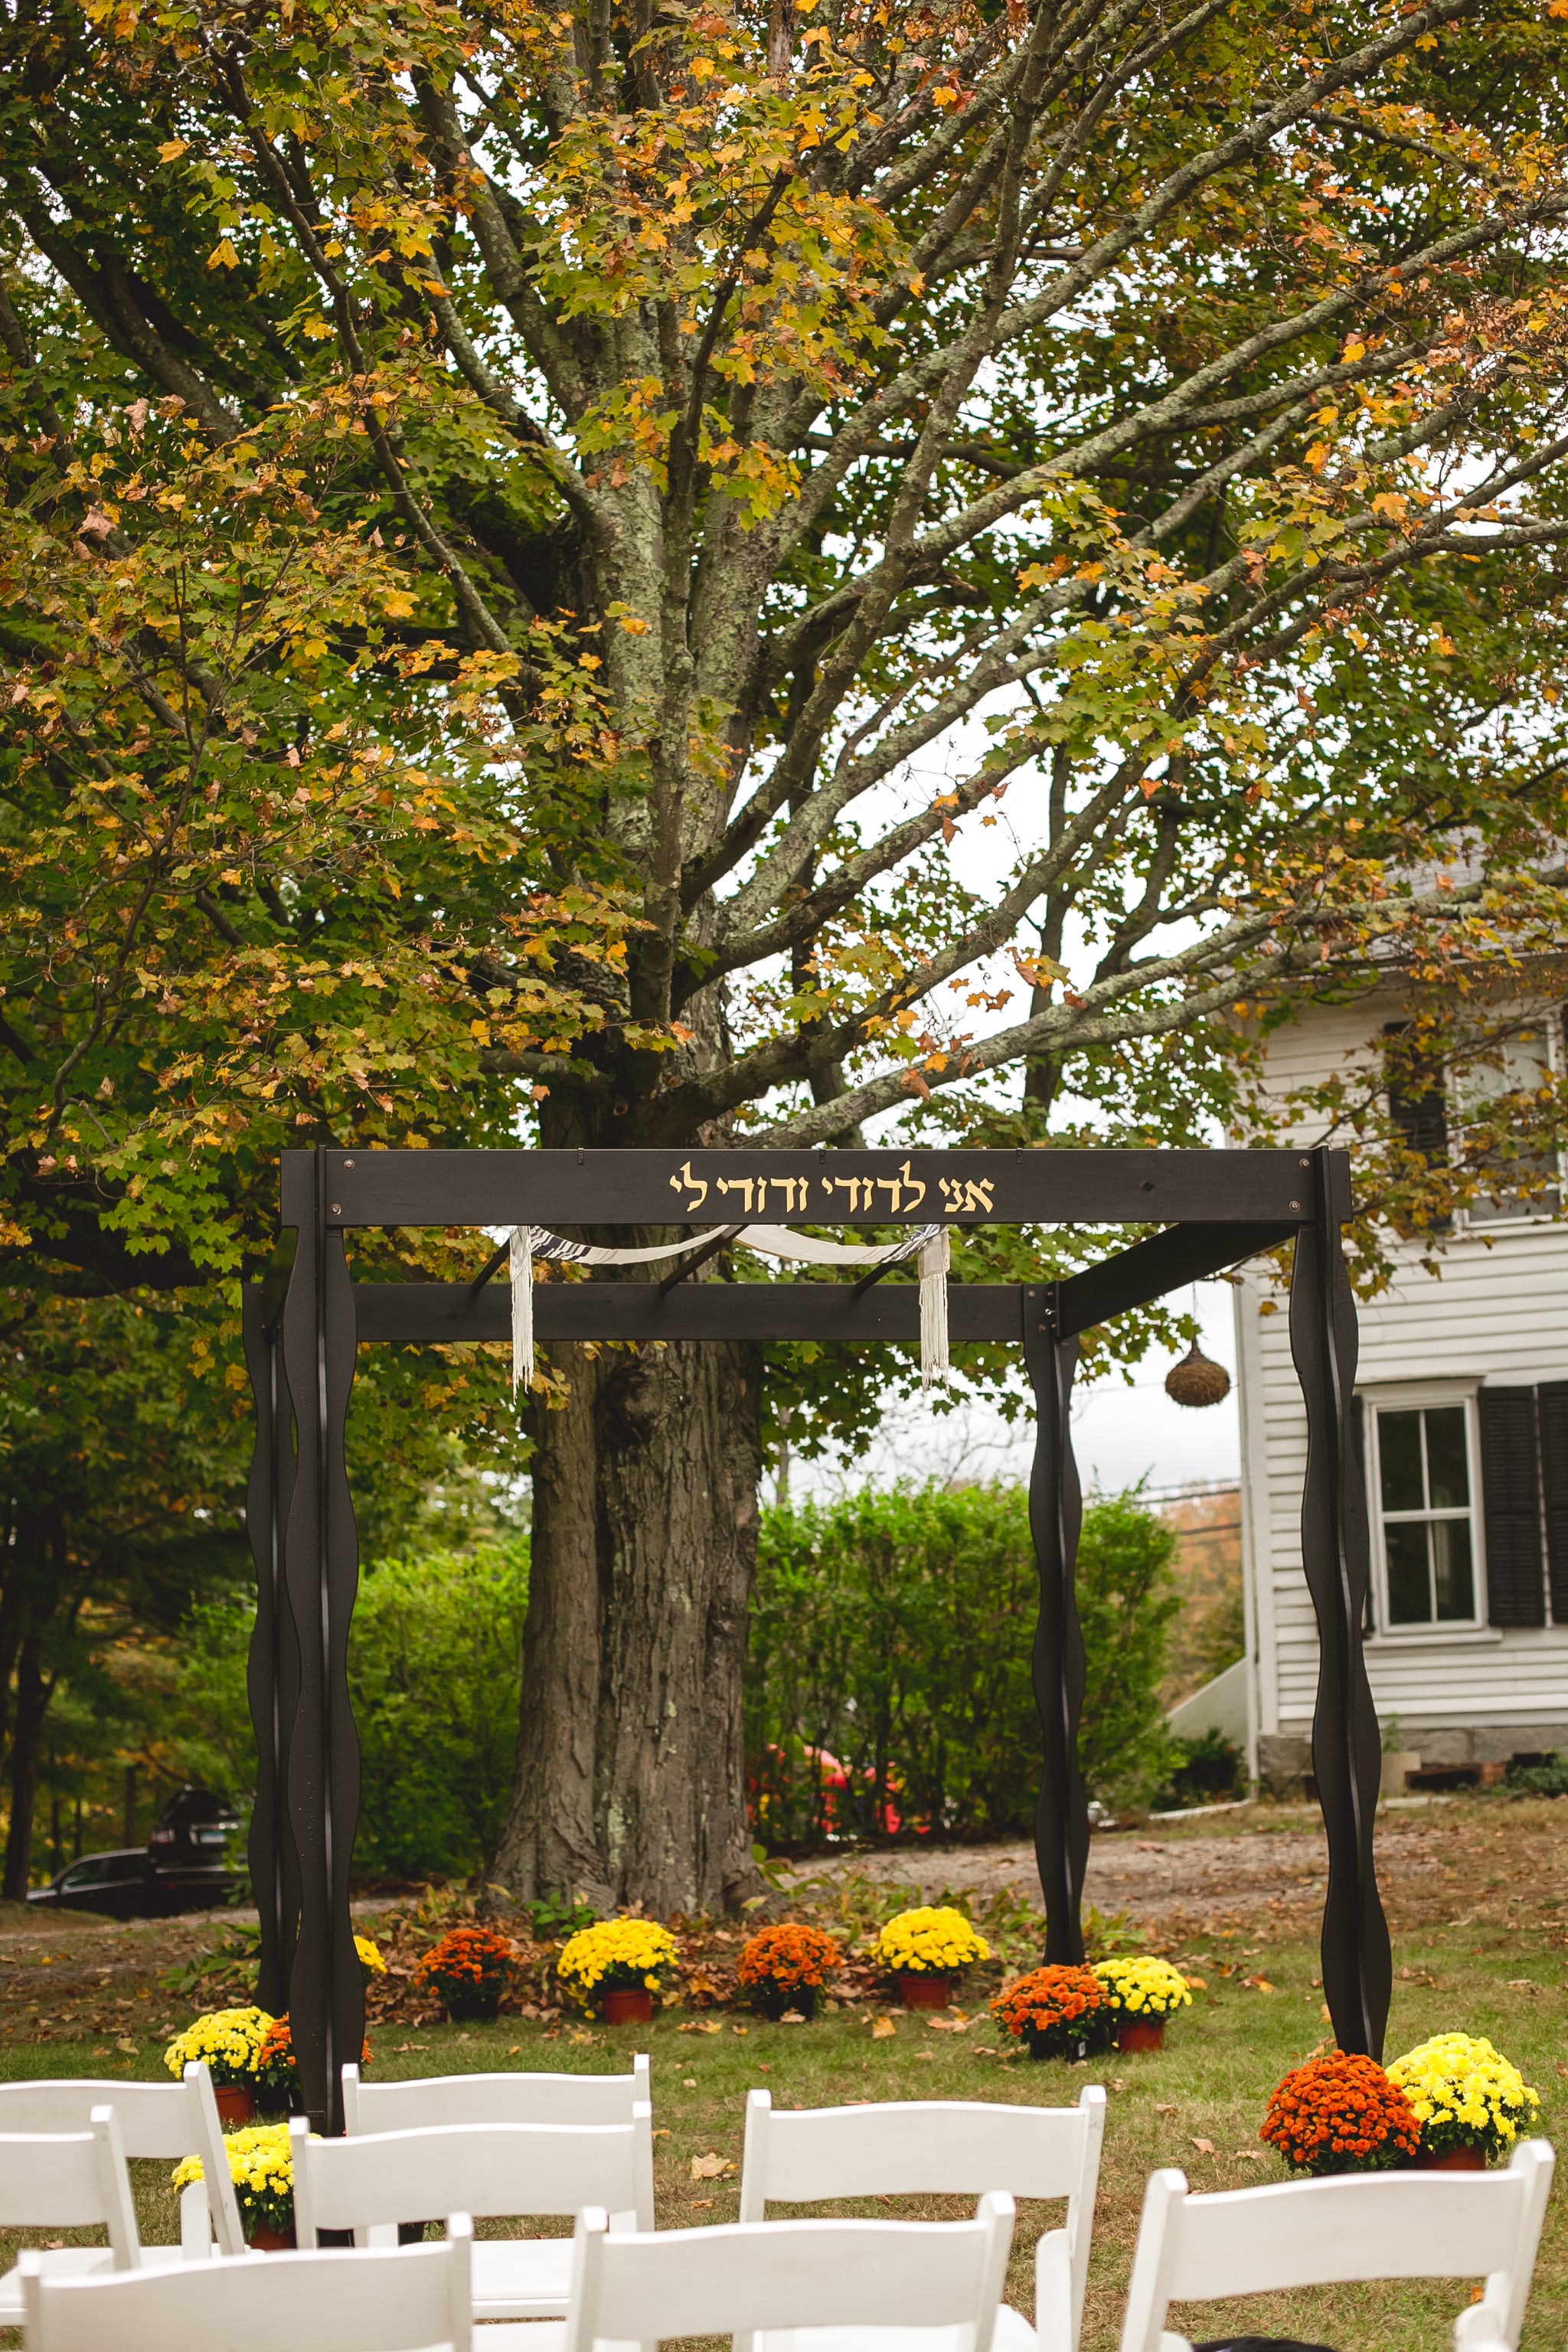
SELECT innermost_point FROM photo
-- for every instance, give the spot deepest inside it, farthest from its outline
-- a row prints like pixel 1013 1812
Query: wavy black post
pixel 321 1575
pixel 1056 1515
pixel 1346 1744
pixel 273 1674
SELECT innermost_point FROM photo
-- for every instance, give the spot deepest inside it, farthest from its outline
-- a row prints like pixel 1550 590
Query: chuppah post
pixel 320 1578
pixel 1056 1513
pixel 1347 1759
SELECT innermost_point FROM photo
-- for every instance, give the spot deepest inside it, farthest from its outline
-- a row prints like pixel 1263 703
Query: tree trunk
pixel 631 1782
pixel 32 1704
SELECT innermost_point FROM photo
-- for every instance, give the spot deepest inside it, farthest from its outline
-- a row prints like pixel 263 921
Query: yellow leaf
pixel 710 2166
pixel 882 2029
pixel 318 329
pixel 172 148
pixel 223 256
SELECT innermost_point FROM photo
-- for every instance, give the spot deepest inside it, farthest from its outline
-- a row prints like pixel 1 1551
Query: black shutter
pixel 1552 1400
pixel 1417 1103
pixel 1510 1487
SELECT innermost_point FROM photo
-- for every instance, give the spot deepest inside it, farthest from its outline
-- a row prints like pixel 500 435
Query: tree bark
pixel 32 1704
pixel 631 1780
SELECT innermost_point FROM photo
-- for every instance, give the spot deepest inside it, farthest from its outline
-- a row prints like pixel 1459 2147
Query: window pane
pixel 1448 1471
pixel 1409 1586
pixel 1399 1460
pixel 1451 1569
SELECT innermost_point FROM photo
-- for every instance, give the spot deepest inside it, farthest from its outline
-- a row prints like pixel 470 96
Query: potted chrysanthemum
pixel 230 2041
pixel 618 1966
pixel 1469 2101
pixel 1142 1992
pixel 261 2165
pixel 370 1959
pixel 783 1969
pixel 1340 2113
pixel 1065 2011
pixel 469 1970
pixel 925 1949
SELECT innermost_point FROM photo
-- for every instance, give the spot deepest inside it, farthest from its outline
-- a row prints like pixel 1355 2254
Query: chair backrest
pixel 481 2168
pixel 71 2181
pixel 745 2277
pixel 1386 2225
pixel 927 2148
pixel 402 2299
pixel 431 2099
pixel 154 2119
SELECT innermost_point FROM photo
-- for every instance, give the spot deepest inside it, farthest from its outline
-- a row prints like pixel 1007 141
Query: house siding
pixel 1496 1314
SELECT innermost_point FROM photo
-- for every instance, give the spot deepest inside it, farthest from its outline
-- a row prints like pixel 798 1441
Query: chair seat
pixel 1013 2334
pixel 522 2278
pixel 522 2336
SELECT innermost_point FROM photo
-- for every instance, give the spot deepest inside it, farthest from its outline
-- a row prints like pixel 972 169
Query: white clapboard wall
pixel 1496 1321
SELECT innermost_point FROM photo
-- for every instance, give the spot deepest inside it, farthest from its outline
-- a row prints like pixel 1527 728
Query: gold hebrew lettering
pixel 952 1194
pixel 738 1184
pixel 913 1186
pixel 692 1183
pixel 979 1194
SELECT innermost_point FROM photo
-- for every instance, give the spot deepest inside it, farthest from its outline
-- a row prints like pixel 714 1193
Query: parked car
pixel 183 1868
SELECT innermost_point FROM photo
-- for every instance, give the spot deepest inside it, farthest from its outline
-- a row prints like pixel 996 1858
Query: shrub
pixel 1203 1771
pixel 1341 2113
pixel 888 1680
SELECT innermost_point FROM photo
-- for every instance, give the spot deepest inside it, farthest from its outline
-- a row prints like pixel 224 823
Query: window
pixel 1521 1180
pixel 1426 1515
pixel 1417 1103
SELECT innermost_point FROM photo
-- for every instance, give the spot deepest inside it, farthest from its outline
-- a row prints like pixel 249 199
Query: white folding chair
pixel 397 2299
pixel 427 2100
pixel 67 2180
pixel 1385 2225
pixel 161 2120
pixel 929 2148
pixel 768 2280
pixel 370 2184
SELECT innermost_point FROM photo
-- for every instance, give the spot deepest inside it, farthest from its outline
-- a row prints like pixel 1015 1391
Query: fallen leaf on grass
pixel 1248 2156
pixel 882 2029
pixel 662 2133
pixel 1262 1983
pixel 104 2053
pixel 701 2204
pixel 1169 2109
pixel 689 2082
pixel 949 2024
pixel 700 2025
pixel 984 2050
pixel 129 2047
pixel 401 2046
pixel 740 2029
pixel 1198 1984
pixel 710 2166
pixel 1204 2146
pixel 792 2017
pixel 1117 2084
pixel 929 2055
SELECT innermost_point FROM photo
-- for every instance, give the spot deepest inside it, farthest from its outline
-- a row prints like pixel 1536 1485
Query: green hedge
pixel 434 1667
pixel 892 1634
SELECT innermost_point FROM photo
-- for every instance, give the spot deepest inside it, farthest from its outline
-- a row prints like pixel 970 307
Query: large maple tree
pixel 726 457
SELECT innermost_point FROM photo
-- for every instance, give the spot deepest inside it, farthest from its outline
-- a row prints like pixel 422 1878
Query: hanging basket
pixel 1197 1379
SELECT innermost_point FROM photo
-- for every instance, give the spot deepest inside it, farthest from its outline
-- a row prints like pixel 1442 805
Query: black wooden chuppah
pixel 305 1322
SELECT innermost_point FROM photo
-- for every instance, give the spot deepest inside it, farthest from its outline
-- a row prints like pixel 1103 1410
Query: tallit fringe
pixel 521 1267
pixel 935 1258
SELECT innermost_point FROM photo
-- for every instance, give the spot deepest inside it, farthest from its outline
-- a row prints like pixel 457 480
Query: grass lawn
pixel 1197 2104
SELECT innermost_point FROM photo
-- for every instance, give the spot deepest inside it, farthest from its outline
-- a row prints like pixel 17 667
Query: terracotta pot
pixel 924 1992
pixel 236 2105
pixel 1139 2033
pixel 1453 2159
pixel 265 2240
pixel 627 2005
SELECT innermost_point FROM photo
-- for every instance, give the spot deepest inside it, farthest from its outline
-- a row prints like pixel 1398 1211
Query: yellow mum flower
pixel 1465 2093
pixel 370 1957
pixel 228 2039
pixel 1141 1986
pixel 929 1940
pixel 617 1952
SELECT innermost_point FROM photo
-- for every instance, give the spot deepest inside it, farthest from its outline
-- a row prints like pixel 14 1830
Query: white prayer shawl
pixel 929 1243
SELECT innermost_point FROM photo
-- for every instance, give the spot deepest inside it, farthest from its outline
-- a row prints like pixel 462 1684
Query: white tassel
pixel 935 1258
pixel 521 1264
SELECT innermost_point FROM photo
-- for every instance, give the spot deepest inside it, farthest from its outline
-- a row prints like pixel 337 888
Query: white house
pixel 1463 1410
